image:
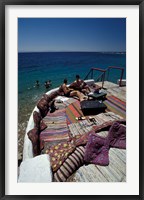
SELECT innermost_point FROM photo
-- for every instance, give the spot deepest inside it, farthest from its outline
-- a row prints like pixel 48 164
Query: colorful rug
pixel 73 111
pixel 116 105
pixel 57 130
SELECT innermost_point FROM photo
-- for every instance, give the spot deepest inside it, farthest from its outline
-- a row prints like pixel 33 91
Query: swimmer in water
pixel 37 83
pixel 47 84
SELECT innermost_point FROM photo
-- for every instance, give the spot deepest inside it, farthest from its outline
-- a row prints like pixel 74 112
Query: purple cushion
pixel 97 150
pixel 117 135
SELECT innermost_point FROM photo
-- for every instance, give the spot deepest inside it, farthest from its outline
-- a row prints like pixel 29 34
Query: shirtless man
pixel 68 92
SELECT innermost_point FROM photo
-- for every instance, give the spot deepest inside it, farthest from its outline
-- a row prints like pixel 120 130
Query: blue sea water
pixel 56 66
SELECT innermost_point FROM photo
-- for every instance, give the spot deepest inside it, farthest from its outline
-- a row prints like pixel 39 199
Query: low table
pixel 92 107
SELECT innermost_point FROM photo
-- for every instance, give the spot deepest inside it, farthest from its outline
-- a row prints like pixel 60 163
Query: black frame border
pixel 3 3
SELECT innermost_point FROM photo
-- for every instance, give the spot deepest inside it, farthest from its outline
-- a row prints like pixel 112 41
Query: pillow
pixel 34 137
pixel 97 150
pixel 46 97
pixel 53 95
pixel 58 153
pixel 70 165
pixel 37 118
pixel 43 126
pixel 82 139
pixel 39 124
pixel 43 106
pixel 117 136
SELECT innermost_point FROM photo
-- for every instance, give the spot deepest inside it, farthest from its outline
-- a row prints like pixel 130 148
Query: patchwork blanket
pixel 56 131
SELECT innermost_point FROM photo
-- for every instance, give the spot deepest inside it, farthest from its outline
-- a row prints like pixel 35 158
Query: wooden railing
pixel 102 76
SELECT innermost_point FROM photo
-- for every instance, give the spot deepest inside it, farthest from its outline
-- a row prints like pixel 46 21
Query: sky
pixel 71 34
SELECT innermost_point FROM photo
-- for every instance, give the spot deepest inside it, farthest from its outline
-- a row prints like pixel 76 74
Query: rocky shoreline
pixel 22 125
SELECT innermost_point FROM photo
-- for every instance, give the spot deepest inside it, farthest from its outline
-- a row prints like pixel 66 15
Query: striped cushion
pixel 71 164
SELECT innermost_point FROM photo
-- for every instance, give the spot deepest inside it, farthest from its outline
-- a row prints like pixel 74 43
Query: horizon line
pixel 72 51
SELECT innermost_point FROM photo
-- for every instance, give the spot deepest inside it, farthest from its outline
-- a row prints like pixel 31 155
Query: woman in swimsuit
pixel 70 92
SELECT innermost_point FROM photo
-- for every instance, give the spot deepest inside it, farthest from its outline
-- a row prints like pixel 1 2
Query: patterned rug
pixel 116 105
pixel 56 131
pixel 73 111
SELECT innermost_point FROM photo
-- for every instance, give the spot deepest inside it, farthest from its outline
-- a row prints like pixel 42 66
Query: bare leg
pixel 78 94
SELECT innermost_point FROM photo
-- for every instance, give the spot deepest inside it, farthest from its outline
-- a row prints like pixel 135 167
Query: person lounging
pixel 69 92
pixel 80 85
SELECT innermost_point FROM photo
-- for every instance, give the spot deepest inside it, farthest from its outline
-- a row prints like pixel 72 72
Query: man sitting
pixel 80 85
pixel 69 92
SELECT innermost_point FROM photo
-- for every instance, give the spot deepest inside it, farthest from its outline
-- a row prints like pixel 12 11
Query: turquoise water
pixel 55 67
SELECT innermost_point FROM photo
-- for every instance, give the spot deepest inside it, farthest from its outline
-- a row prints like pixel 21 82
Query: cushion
pixel 46 97
pixel 34 137
pixel 37 118
pixel 38 122
pixel 53 95
pixel 43 106
pixel 97 150
pixel 70 165
pixel 82 139
pixel 58 153
pixel 43 126
pixel 117 135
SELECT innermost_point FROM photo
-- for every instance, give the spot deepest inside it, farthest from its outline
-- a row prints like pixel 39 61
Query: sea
pixel 56 66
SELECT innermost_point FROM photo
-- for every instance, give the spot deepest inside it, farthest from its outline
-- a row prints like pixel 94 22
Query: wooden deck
pixel 114 89
pixel 116 170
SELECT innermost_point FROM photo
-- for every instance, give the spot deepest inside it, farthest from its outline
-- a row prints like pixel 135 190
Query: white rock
pixel 36 170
